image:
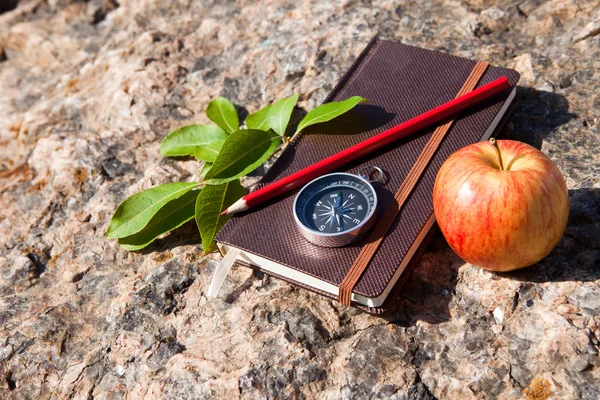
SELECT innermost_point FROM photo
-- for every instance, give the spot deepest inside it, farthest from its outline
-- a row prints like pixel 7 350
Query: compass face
pixel 335 204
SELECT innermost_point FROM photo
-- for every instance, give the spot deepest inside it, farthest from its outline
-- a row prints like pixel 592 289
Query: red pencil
pixel 367 146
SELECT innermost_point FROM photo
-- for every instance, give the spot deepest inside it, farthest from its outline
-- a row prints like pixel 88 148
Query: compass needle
pixel 338 199
pixel 330 219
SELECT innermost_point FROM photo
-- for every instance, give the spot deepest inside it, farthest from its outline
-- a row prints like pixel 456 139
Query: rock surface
pixel 89 89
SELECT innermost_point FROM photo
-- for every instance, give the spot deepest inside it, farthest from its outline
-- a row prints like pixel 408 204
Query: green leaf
pixel 209 152
pixel 205 168
pixel 211 201
pixel 222 112
pixel 329 111
pixel 242 152
pixel 258 120
pixel 183 141
pixel 280 113
pixel 173 214
pixel 136 211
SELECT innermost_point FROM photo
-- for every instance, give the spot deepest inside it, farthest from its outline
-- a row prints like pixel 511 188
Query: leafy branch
pixel 228 152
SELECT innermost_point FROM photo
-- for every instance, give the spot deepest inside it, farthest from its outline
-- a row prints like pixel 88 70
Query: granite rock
pixel 89 89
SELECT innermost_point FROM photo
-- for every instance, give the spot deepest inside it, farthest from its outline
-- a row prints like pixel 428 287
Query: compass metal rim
pixel 336 239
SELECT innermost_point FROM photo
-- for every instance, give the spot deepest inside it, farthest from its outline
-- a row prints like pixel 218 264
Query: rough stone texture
pixel 89 89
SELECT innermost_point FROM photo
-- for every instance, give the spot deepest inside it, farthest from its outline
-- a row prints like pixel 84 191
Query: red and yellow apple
pixel 501 205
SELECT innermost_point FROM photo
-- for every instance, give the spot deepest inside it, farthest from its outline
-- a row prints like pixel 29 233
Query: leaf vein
pixel 239 158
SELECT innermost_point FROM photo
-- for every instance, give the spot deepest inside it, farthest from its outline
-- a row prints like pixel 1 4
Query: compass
pixel 337 209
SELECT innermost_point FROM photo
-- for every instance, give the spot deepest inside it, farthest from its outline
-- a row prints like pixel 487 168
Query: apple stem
pixel 495 143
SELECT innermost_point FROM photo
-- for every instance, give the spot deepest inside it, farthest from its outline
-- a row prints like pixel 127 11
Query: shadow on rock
pixel 242 112
pixel 427 291
pixel 8 5
pixel 537 114
pixel 577 255
pixel 186 234
pixel 429 287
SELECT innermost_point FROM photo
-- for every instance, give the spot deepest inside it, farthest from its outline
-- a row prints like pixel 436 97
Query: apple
pixel 501 205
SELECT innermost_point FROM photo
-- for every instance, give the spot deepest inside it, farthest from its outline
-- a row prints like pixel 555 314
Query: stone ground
pixel 89 89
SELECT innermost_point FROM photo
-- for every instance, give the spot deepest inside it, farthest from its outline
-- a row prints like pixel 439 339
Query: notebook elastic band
pixel 385 222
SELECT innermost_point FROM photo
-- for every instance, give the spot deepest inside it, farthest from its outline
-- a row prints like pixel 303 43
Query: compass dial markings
pixel 334 206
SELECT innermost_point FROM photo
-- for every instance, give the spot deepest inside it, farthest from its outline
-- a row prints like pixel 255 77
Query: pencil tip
pixel 238 206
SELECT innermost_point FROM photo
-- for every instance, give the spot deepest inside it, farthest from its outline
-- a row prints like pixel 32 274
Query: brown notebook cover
pixel 400 83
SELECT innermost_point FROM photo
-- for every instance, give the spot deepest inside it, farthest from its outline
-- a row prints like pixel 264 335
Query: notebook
pixel 400 82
